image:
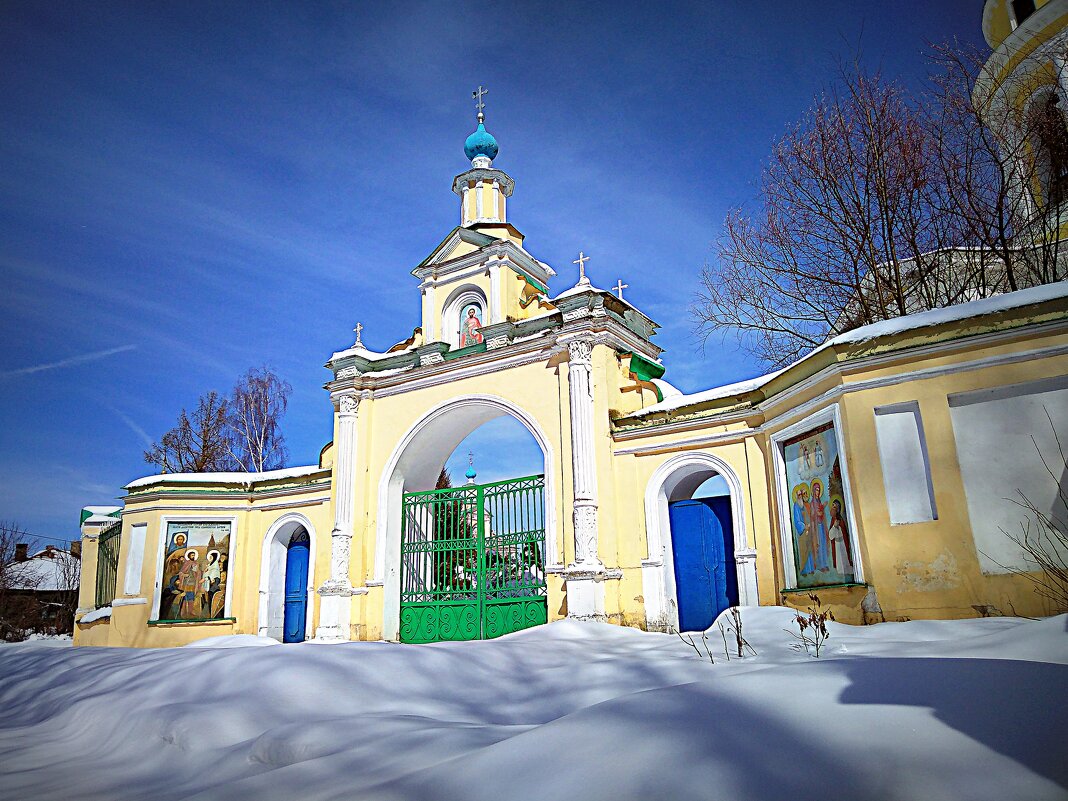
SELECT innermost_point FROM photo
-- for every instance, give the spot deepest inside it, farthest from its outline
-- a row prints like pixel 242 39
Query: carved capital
pixel 580 352
pixel 348 404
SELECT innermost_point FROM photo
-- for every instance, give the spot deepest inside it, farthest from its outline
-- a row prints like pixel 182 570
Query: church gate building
pixel 878 472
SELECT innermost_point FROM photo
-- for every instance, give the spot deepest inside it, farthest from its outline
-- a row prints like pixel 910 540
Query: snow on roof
pixel 926 319
pixel 224 478
pixel 961 311
pixel 97 519
pixel 45 571
pixel 676 401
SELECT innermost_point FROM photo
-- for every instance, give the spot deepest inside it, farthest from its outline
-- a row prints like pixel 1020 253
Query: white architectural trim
pixel 161 553
pixel 391 488
pixel 296 519
pixel 658 572
pixel 833 414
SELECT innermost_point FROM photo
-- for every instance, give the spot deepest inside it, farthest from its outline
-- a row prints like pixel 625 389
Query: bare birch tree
pixel 258 402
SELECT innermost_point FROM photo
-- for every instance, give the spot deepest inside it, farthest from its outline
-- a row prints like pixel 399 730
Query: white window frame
pixel 161 548
pixel 833 415
pixel 135 559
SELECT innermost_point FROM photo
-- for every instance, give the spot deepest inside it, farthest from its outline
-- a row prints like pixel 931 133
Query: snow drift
pixel 935 710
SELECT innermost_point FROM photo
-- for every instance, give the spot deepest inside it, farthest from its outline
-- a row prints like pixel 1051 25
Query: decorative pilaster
pixel 495 290
pixel 585 576
pixel 337 590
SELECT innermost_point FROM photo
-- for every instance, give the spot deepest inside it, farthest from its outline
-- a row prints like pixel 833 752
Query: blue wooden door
pixel 296 603
pixel 702 543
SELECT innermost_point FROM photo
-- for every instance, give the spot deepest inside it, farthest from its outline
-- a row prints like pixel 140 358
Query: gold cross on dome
pixel 581 262
pixel 619 287
pixel 358 329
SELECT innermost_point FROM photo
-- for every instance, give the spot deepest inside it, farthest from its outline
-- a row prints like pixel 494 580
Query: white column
pixel 430 317
pixel 504 207
pixel 1061 65
pixel 463 205
pixel 494 195
pixel 478 200
pixel 336 592
pixel 495 291
pixel 585 576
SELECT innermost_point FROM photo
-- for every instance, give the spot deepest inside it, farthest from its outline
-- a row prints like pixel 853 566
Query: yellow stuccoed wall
pixel 129 624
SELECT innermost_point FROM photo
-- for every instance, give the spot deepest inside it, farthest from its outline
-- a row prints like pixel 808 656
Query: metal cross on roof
pixel 619 287
pixel 581 262
pixel 358 329
pixel 478 94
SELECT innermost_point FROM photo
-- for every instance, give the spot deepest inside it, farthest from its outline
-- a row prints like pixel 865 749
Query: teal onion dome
pixel 471 472
pixel 481 143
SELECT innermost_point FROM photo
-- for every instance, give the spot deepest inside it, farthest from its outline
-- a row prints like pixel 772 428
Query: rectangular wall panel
pixel 906 470
pixel 1007 448
pixel 135 558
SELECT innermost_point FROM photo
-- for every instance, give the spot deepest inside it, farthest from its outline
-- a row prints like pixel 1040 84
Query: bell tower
pixel 483 190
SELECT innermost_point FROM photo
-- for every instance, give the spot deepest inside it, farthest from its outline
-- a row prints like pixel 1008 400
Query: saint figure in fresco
pixel 818 512
pixel 819 454
pixel 469 333
pixel 806 460
pixel 211 579
pixel 188 583
pixel 803 528
pixel 840 555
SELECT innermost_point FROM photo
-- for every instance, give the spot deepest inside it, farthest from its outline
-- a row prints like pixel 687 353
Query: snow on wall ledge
pixel 898 325
pixel 225 478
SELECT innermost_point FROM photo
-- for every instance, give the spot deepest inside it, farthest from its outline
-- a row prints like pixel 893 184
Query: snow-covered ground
pixel 974 709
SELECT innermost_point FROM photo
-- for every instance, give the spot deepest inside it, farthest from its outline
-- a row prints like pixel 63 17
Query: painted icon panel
pixel 195 565
pixel 823 550
pixel 470 323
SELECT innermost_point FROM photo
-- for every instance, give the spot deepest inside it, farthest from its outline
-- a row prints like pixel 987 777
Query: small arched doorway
pixel 287 579
pixel 699 559
pixel 296 587
pixel 702 553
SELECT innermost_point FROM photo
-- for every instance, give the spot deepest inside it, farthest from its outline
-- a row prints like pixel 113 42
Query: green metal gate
pixel 473 561
pixel 107 563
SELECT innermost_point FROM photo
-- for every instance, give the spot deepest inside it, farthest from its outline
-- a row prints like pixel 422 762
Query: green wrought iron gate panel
pixel 473 561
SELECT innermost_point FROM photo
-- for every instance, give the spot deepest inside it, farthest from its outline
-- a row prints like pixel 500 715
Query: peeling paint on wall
pixel 939 574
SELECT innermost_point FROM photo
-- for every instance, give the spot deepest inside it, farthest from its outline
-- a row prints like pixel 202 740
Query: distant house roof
pixel 49 570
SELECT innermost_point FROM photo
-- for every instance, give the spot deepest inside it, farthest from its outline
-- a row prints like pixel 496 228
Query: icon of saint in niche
pixel 469 333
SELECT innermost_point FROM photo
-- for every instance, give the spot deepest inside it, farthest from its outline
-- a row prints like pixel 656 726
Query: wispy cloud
pixel 130 423
pixel 68 362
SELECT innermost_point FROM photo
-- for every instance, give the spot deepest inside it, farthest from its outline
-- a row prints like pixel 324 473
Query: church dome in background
pixel 481 143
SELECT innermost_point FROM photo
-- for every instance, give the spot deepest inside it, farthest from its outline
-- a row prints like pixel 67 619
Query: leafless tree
pixel 881 203
pixel 200 443
pixel 258 402
pixel 15 619
pixel 1003 163
pixel 846 225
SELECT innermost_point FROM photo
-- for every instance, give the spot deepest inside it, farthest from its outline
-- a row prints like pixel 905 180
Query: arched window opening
pixel 464 316
pixel 1050 141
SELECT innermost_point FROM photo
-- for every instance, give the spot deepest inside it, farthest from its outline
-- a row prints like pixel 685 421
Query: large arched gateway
pixel 465 562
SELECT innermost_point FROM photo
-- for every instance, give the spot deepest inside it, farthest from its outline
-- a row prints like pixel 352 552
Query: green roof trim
pixel 456 354
pixel 86 514
pixel 646 369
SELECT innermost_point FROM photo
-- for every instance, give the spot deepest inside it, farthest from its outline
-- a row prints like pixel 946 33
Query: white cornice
pixel 795 412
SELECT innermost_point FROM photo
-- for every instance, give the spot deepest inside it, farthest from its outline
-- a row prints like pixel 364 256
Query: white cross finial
pixel 619 287
pixel 478 94
pixel 581 262
pixel 358 329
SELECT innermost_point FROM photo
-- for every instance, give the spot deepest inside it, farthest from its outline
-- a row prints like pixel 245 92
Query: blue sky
pixel 191 189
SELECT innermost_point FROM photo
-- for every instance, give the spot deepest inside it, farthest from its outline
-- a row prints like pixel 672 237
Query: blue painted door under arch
pixel 296 602
pixel 702 545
